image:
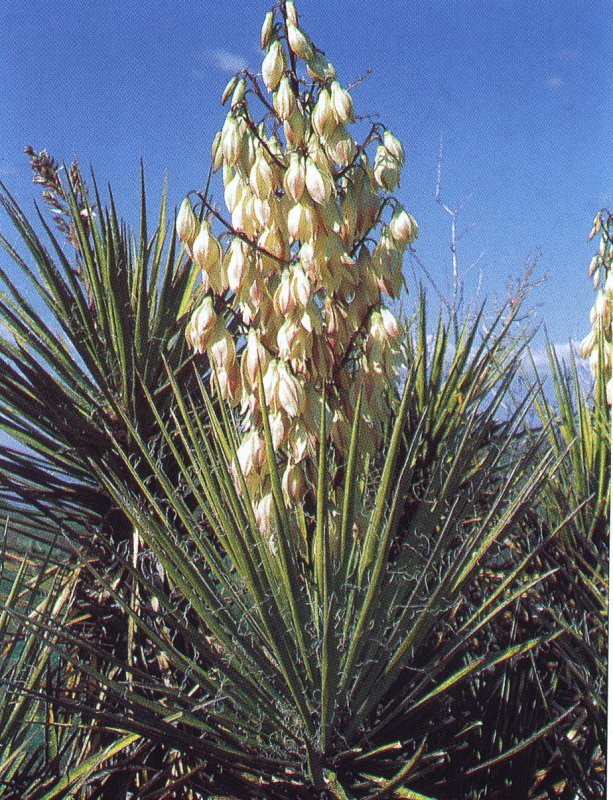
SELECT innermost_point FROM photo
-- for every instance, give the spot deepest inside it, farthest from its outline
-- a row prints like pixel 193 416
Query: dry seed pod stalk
pixel 315 246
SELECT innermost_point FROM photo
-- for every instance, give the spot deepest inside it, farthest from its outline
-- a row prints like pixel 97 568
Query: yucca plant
pixel 318 568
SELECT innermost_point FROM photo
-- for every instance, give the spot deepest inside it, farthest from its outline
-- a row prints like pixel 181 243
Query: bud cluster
pixel 601 315
pixel 308 259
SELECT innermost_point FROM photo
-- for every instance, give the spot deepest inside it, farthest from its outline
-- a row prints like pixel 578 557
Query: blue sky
pixel 519 89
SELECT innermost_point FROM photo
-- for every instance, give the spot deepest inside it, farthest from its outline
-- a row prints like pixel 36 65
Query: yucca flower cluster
pixel 601 315
pixel 313 244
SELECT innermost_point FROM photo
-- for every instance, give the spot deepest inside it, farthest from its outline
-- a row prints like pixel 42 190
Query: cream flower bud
pixel 239 93
pixel 270 381
pixel 286 337
pixel 299 42
pixel 228 172
pixel 294 483
pixel 254 356
pixel 393 147
pixel 283 300
pixel 216 152
pixel 295 128
pixel 307 258
pixel 201 325
pixel 292 14
pixel 264 512
pixel 230 87
pixel 247 152
pixel 284 99
pixel 342 104
pixel 263 211
pixel 221 348
pixel 290 394
pixel 260 177
pixel 402 226
pixel 207 250
pixel 299 441
pixel 318 188
pixel 231 144
pixel 243 216
pixel 274 242
pixel 389 323
pixel 295 177
pixel 273 66
pixel 387 170
pixel 608 286
pixel 187 224
pixel 233 193
pixel 368 291
pixel 301 222
pixel 383 326
pixel 251 454
pixel 341 147
pixel 301 287
pixel 323 119
pixel 278 429
pixel 276 148
pixel 267 29
pixel 319 68
pixel 238 257
pixel 601 307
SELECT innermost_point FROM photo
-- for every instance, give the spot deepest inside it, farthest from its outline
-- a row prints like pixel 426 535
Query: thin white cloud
pixel 226 61
pixel 555 82
pixel 568 55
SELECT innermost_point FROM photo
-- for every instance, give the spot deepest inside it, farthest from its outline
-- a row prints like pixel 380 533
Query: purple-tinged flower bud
pixel 342 104
pixel 284 99
pixel 393 147
pixel 402 226
pixel 267 29
pixel 273 66
pixel 298 42
pixel 319 68
pixel 230 87
pixel 201 325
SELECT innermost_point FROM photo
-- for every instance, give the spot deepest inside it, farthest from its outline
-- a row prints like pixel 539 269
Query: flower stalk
pixel 313 248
